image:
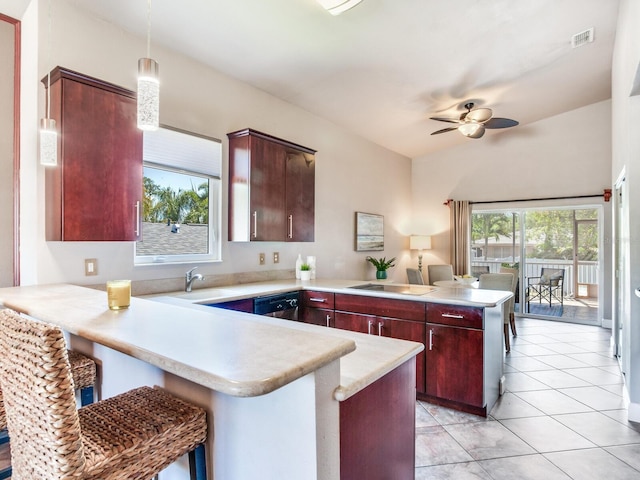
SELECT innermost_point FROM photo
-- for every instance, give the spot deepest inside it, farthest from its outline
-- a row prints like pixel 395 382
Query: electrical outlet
pixel 261 258
pixel 276 257
pixel 90 266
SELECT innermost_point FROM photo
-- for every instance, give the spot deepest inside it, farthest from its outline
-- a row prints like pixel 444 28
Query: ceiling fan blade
pixel 444 130
pixel 500 123
pixel 479 133
pixel 479 115
pixel 442 119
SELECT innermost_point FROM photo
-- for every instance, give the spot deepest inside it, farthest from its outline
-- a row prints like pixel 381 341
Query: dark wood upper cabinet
pixel 95 191
pixel 271 189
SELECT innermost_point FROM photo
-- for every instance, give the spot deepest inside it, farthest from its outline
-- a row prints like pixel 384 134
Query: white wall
pixel 626 156
pixel 565 155
pixel 351 174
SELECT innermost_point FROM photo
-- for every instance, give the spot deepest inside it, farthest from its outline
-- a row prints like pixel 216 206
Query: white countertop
pixel 232 352
pixel 235 353
pixel 454 296
pixel 226 351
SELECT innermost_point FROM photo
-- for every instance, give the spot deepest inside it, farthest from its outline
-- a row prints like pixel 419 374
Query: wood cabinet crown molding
pixel 59 73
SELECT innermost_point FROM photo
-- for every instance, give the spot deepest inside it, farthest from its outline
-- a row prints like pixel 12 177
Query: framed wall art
pixel 369 232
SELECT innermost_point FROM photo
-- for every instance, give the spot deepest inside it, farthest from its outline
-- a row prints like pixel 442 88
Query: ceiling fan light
pixel 469 129
pixel 336 7
pixel 479 115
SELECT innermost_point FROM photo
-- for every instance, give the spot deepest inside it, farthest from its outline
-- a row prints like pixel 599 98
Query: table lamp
pixel 420 243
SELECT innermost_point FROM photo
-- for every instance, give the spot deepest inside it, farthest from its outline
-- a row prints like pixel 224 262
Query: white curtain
pixel 460 235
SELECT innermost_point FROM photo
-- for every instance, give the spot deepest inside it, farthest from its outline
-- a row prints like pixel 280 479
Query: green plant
pixel 382 264
pixel 305 267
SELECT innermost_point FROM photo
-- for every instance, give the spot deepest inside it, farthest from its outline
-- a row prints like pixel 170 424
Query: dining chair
pixel 133 435
pixel 439 272
pixel 549 286
pixel 415 276
pixel 500 281
pixel 512 317
pixel 478 270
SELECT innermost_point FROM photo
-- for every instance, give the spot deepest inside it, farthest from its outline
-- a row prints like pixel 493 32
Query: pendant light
pixel 148 86
pixel 48 132
pixel 336 7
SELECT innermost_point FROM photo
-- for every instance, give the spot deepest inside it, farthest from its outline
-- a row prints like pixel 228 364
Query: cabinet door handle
pixel 370 325
pixel 318 300
pixel 451 315
pixel 430 339
pixel 137 219
pixel 379 329
pixel 328 320
pixel 290 226
pixel 255 224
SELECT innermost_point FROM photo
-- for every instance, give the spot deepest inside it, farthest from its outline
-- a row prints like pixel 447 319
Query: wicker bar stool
pixel 83 370
pixel 134 435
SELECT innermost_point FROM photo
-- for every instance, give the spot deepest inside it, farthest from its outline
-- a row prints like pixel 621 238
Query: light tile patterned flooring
pixel 562 416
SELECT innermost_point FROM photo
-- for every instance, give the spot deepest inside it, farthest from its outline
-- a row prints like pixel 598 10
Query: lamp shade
pixel 420 242
pixel 336 7
pixel 148 94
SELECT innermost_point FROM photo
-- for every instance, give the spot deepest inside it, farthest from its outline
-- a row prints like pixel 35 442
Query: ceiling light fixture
pixel 148 86
pixel 336 7
pixel 48 132
pixel 469 129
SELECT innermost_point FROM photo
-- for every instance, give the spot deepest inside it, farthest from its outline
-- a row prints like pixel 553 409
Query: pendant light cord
pixel 148 28
pixel 49 19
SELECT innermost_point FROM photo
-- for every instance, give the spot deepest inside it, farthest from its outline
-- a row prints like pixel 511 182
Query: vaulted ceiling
pixel 384 67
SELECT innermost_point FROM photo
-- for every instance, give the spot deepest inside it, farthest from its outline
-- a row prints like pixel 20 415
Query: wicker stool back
pixel 83 371
pixel 130 436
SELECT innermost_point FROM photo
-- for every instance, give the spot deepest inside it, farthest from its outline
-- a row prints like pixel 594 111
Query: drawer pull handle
pixel 379 329
pixel 452 315
pixel 430 339
pixel 328 320
pixel 255 224
pixel 369 327
pixel 318 300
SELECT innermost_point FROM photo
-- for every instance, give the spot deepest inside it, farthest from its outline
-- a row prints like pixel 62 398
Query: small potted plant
pixel 382 265
pixel 305 272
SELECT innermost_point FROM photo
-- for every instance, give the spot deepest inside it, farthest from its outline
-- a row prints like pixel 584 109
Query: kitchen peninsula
pixel 278 393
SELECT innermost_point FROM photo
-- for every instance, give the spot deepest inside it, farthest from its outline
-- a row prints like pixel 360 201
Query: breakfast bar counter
pixel 271 389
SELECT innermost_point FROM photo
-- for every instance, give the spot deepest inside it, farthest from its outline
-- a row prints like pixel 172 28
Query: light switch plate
pixel 90 266
pixel 261 259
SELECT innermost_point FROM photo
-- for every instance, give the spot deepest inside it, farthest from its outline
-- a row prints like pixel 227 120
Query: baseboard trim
pixel 633 412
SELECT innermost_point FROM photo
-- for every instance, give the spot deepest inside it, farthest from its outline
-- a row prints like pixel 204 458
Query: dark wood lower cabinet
pixel 316 316
pixel 461 365
pixel 455 364
pixel 242 305
pixel 377 429
pixel 388 327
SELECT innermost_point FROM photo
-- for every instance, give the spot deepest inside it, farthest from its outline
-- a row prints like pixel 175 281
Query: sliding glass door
pixel 557 258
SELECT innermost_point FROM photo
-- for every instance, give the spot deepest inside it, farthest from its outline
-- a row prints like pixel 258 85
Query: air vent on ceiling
pixel 582 38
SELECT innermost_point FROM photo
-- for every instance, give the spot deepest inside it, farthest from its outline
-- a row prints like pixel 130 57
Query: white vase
pixel 305 275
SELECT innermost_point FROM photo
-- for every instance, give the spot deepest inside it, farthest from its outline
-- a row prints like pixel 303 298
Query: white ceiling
pixel 382 68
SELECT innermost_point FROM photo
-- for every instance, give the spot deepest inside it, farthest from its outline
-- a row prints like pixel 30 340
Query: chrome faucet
pixel 189 277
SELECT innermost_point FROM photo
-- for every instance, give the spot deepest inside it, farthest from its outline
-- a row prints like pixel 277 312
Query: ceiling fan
pixel 474 122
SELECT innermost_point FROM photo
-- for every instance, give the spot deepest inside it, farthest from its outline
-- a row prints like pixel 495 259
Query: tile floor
pixel 562 416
